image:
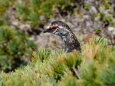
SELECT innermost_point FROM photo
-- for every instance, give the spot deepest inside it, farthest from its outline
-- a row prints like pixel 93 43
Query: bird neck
pixel 71 42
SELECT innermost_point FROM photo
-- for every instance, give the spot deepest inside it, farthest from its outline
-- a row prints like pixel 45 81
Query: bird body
pixel 63 30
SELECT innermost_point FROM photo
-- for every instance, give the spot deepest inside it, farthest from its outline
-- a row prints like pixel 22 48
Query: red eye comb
pixel 53 26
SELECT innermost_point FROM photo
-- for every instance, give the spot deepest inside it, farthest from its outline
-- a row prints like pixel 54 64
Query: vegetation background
pixel 30 58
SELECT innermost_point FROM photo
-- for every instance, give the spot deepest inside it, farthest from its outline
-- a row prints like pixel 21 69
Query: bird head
pixel 58 28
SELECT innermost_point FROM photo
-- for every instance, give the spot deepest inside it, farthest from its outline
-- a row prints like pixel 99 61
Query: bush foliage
pixel 15 48
pixel 31 11
pixel 48 67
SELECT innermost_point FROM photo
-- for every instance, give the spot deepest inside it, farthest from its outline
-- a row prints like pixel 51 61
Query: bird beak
pixel 46 30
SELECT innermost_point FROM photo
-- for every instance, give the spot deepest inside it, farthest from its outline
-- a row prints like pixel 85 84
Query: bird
pixel 62 30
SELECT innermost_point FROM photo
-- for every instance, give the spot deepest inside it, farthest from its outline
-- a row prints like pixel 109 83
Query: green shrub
pixel 68 81
pixel 86 6
pixel 99 70
pixel 49 67
pixel 42 54
pixel 32 10
pixel 15 48
pixel 4 4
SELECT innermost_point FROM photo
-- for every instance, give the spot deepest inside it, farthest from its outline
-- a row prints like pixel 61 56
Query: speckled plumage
pixel 64 31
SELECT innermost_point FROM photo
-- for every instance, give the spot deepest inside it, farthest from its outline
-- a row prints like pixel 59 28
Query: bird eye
pixel 53 26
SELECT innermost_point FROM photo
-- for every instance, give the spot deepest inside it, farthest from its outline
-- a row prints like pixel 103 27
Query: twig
pixel 76 73
pixel 36 78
